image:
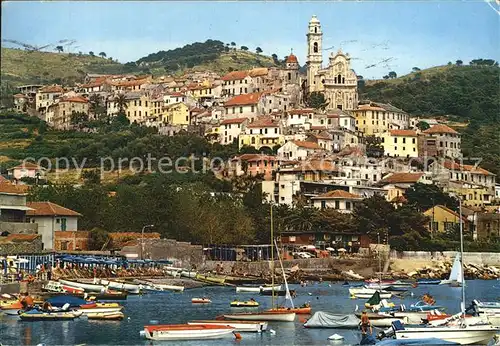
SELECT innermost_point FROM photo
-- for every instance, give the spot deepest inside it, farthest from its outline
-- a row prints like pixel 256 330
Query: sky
pixel 409 33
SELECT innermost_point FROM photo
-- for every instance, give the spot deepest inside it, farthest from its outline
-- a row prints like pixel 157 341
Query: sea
pixel 168 308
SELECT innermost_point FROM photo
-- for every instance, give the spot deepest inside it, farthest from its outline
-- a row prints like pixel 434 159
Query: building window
pixel 337 205
pixel 253 109
pixel 323 204
pixel 404 141
pixel 241 109
pixel 315 45
pixel 413 140
pixel 395 140
pixel 348 205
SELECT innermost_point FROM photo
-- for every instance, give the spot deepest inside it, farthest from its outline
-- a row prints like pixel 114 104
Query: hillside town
pixel 331 154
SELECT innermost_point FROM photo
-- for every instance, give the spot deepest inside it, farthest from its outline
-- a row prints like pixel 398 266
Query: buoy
pixel 335 337
pixel 237 336
pixel 272 331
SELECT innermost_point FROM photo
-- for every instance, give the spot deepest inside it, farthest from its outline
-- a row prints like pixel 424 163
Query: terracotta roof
pixel 292 59
pixel 332 116
pixel 399 199
pixel 255 157
pixel 468 168
pixel 263 122
pixel 135 82
pixel 51 89
pixel 235 75
pixel 322 135
pixel 177 94
pixel 319 128
pixel 388 107
pixel 244 99
pixel 49 209
pixel 313 166
pixel 405 133
pixel 3 180
pixel 440 129
pixel 370 108
pixel 233 121
pixel 78 99
pixel 13 189
pixel 258 72
pixel 395 178
pixel 338 194
pixel 307 145
pixel 26 165
pixel 18 237
pixel 301 111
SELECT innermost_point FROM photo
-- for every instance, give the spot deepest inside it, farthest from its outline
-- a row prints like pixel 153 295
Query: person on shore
pixel 365 324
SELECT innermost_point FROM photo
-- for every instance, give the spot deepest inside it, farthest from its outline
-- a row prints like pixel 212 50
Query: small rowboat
pixel 187 332
pixel 239 326
pixel 252 289
pixel 12 309
pixel 38 315
pixel 299 311
pixel 86 287
pixel 262 316
pixel 247 304
pixel 87 309
pixel 106 316
pixel 200 301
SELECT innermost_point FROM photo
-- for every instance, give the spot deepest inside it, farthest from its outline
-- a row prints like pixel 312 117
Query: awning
pixel 15 207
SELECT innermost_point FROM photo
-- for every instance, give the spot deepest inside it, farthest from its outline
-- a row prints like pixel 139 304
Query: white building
pixel 230 129
pixel 298 150
pixel 51 218
pixel 248 105
pixel 340 200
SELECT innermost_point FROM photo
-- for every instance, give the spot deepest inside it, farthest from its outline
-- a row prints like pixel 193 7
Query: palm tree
pixel 302 219
pixel 121 103
pixel 102 54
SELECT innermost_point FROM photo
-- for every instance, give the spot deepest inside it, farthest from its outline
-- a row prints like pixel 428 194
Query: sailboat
pixel 456 274
pixel 272 315
pixel 462 333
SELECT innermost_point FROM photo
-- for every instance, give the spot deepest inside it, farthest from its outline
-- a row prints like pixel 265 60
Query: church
pixel 337 81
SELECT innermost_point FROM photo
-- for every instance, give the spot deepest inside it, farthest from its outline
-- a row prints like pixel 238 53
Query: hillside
pixel 468 92
pixel 24 67
pixel 210 55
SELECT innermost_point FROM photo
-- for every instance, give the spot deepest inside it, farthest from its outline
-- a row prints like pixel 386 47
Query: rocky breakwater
pixel 441 270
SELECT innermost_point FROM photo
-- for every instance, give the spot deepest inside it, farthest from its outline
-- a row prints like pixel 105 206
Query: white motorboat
pixel 53 286
pixel 387 321
pixel 367 293
pixel 462 335
pixel 85 286
pixel 262 316
pixel 456 274
pixel 121 286
pixel 253 289
pixel 162 288
pixel 239 326
pixel 187 332
pixel 411 317
pixel 486 307
pixel 494 319
pixel 188 274
pixel 99 310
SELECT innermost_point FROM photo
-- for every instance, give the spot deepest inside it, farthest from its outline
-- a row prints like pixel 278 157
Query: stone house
pixel 446 141
pixel 13 209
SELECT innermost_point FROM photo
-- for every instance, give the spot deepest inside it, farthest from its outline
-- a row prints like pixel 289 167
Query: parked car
pixel 302 255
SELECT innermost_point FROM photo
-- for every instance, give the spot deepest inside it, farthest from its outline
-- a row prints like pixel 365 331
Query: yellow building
pixel 177 114
pixel 442 219
pixel 472 195
pixel 375 118
pixel 400 143
pixel 260 134
pixel 138 108
pixel 64 109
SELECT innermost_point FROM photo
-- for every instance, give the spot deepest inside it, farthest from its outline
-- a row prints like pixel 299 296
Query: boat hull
pixel 245 289
pixel 368 296
pixel 262 316
pixel 239 326
pixel 187 332
pixel 86 287
pixel 464 336
pixel 299 311
pixel 100 310
pixel 106 316
pixel 130 288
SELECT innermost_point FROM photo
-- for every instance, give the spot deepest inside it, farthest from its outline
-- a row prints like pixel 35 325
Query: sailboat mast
pixel 462 258
pixel 288 295
pixel 379 264
pixel 272 258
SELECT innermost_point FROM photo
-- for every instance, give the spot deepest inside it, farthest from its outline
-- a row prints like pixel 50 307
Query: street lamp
pixel 142 239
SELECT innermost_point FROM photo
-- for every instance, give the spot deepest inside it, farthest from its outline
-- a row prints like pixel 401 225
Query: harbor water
pixel 167 308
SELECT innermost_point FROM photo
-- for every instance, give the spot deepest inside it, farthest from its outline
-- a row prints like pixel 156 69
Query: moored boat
pixel 239 326
pixel 122 286
pixel 85 286
pixel 428 281
pixel 245 304
pixel 257 289
pixel 39 315
pixel 105 316
pixel 303 310
pixel 262 316
pixel 99 308
pixel 187 332
pixel 200 301
pixel 281 293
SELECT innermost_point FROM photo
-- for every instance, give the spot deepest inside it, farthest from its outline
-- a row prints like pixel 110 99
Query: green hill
pixel 209 55
pixel 25 67
pixel 468 92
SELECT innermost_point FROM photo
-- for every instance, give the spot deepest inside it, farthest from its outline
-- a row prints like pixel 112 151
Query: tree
pixel 423 125
pixel 425 196
pixel 79 119
pixel 275 58
pixel 60 49
pixel 244 48
pixel 91 176
pixel 316 100
pixel 233 44
pixel 415 69
pixel 95 105
pixel 459 62
pixel 392 75
pixel 102 54
pixel 98 238
pixel 258 50
pixel 374 146
pixel 91 53
pixel 386 77
pixel 121 103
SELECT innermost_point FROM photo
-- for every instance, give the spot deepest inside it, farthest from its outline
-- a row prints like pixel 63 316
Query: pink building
pixel 253 164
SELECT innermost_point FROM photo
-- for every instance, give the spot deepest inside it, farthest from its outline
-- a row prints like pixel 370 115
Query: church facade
pixel 337 81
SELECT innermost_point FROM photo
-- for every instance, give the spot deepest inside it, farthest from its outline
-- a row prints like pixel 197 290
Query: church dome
pixel 292 59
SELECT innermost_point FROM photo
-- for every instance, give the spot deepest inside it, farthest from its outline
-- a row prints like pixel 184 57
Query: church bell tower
pixel 314 53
